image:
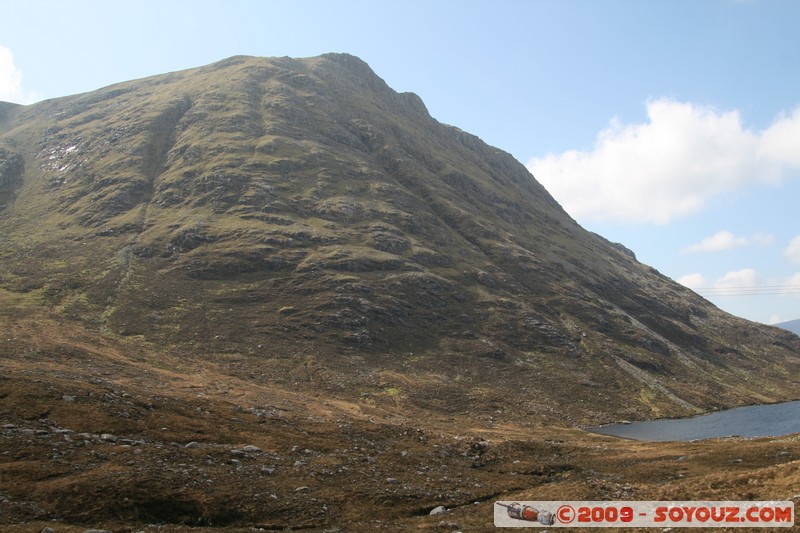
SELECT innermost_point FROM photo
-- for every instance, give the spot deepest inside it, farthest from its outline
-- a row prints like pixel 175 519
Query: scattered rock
pixel 192 445
pixel 302 489
pixel 238 453
pixel 251 449
pixel 479 448
pixel 68 398
pixel 108 437
pixel 438 510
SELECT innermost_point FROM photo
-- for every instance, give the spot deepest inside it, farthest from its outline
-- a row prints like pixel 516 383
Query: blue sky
pixel 670 126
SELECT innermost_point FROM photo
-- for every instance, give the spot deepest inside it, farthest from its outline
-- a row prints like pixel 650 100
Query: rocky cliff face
pixel 317 228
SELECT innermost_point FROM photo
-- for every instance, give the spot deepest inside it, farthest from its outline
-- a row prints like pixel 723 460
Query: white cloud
pixel 792 286
pixel 725 240
pixel 670 166
pixel 693 281
pixel 11 80
pixel 729 284
pixel 779 141
pixel 745 278
pixel 722 240
pixel 762 238
pixel 745 282
pixel 793 250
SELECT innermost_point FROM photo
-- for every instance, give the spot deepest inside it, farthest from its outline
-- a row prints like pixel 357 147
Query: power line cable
pixel 750 290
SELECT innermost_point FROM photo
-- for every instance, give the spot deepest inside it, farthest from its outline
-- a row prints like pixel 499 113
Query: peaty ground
pixel 112 434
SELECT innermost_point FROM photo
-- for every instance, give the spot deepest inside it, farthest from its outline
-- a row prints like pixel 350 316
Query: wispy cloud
pixel 744 282
pixel 734 283
pixel 747 277
pixel 669 166
pixel 775 319
pixel 11 80
pixel 792 285
pixel 729 284
pixel 725 240
pixel 793 250
pixel 693 281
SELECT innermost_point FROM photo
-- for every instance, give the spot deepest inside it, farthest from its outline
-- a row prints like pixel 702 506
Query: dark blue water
pixel 753 421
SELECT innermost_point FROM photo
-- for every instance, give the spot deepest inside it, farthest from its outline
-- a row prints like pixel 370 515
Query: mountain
pixel 791 325
pixel 305 207
pixel 287 251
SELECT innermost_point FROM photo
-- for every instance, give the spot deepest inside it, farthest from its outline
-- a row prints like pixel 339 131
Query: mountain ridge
pixel 791 325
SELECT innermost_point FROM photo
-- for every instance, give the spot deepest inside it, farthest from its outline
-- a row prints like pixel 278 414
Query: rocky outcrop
pixel 11 167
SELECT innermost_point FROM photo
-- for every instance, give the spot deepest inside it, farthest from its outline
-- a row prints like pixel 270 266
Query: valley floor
pixel 93 435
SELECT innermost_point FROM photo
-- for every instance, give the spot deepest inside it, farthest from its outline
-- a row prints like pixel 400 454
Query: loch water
pixel 751 421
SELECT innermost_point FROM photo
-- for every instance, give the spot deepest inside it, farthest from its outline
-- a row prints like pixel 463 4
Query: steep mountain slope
pixel 300 218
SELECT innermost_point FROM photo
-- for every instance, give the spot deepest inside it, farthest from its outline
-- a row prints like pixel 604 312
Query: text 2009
pixel 604 514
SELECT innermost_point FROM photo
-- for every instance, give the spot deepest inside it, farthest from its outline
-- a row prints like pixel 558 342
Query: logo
pixel 642 514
